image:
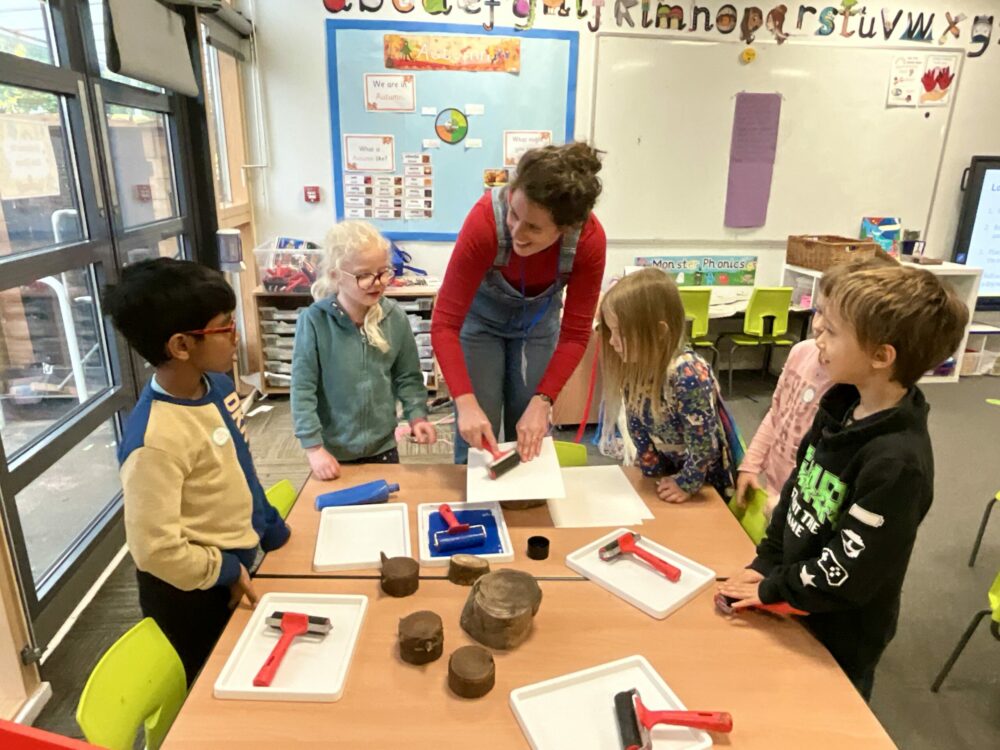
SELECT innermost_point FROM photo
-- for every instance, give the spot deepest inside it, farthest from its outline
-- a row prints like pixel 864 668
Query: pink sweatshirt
pixel 772 451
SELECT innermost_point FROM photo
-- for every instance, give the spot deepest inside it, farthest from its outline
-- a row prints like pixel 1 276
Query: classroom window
pixel 74 491
pixel 52 356
pixel 170 247
pixel 97 22
pixel 26 30
pixel 225 124
pixel 39 195
pixel 140 157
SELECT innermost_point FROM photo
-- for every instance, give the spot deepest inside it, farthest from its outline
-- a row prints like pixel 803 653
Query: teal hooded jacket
pixel 344 389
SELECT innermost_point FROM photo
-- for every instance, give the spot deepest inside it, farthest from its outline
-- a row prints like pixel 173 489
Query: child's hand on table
pixel 746 483
pixel 668 491
pixel 322 463
pixel 743 587
pixel 423 432
pixel 241 587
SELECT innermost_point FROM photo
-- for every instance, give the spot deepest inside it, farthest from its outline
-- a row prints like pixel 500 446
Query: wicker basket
pixel 820 252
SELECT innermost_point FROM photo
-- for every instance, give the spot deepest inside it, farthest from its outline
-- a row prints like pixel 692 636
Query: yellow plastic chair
pixel 752 515
pixel 282 496
pixel 139 682
pixel 696 301
pixel 571 454
pixel 994 599
pixel 765 324
pixel 982 527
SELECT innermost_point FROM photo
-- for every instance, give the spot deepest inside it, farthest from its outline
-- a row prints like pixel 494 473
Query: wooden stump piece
pixel 465 569
pixel 501 607
pixel 471 672
pixel 521 504
pixel 400 575
pixel 421 637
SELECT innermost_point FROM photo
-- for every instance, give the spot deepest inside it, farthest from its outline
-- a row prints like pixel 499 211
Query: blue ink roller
pixel 369 493
pixel 458 535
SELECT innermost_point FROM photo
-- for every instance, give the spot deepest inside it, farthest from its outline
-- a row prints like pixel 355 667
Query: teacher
pixel 496 330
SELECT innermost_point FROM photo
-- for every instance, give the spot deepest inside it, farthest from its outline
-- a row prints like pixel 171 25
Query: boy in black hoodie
pixel 840 539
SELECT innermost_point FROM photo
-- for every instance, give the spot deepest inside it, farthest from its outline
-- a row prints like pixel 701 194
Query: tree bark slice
pixel 471 672
pixel 400 575
pixel 501 607
pixel 521 504
pixel 465 569
pixel 421 637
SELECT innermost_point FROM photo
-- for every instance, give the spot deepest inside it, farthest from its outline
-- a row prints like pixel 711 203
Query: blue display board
pixel 448 127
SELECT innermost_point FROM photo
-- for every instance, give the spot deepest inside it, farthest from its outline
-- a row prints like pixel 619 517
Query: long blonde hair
pixel 651 329
pixel 343 242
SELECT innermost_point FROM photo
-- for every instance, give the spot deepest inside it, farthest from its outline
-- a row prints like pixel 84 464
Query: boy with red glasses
pixel 196 518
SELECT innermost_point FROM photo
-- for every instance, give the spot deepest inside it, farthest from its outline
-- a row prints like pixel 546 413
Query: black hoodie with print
pixel 840 539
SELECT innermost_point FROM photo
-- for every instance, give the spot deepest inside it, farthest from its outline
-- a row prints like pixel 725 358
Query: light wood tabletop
pixel 702 529
pixel 781 687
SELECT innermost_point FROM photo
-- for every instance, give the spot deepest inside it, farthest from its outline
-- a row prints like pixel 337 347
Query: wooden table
pixel 782 688
pixel 702 528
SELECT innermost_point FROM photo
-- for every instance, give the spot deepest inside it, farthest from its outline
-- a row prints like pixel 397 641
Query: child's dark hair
pixel 158 298
pixel 563 179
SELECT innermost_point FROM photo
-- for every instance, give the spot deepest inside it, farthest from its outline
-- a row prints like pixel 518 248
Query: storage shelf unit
pixel 963 279
pixel 277 313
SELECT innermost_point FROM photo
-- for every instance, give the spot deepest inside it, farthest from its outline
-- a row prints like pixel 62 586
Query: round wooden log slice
pixel 501 607
pixel 521 504
pixel 421 637
pixel 465 569
pixel 400 575
pixel 471 672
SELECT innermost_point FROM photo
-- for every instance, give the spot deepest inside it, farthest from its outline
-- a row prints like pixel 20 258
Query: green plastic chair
pixel 282 496
pixel 696 301
pixel 139 682
pixel 765 324
pixel 994 599
pixel 993 501
pixel 752 515
pixel 571 454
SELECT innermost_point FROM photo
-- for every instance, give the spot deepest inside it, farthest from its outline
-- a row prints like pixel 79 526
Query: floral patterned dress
pixel 687 442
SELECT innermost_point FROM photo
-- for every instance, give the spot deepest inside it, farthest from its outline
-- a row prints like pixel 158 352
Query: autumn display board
pixel 425 117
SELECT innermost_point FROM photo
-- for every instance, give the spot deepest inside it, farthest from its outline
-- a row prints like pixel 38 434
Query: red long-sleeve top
pixel 474 253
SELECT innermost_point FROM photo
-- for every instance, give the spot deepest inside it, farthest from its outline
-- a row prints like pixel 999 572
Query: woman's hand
pixel 423 431
pixel 669 491
pixel 532 427
pixel 322 463
pixel 473 425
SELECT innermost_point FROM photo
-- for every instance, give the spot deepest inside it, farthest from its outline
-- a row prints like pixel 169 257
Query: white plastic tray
pixel 578 710
pixel 351 537
pixel 424 511
pixel 636 582
pixel 313 669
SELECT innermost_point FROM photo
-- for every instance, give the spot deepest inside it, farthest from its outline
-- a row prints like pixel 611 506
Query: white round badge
pixel 808 395
pixel 220 436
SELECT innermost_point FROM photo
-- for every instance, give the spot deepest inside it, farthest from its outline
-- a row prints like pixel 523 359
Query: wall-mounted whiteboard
pixel 663 112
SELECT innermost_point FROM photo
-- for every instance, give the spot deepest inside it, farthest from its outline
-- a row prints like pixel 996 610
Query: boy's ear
pixel 179 347
pixel 884 357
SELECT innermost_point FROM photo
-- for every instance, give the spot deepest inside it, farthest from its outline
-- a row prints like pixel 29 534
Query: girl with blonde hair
pixel 355 357
pixel 669 393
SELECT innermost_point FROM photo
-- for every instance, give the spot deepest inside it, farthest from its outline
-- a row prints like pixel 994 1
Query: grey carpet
pixel 940 596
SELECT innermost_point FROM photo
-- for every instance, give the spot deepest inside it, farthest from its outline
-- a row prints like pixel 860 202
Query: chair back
pixel 767 312
pixel 282 496
pixel 696 300
pixel 571 454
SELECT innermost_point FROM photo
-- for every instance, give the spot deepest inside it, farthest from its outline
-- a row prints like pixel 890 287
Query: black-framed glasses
pixel 367 280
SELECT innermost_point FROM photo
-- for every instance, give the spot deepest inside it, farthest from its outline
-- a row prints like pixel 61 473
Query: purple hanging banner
pixel 751 158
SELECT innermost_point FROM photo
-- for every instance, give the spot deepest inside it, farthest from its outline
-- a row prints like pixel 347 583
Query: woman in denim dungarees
pixel 504 345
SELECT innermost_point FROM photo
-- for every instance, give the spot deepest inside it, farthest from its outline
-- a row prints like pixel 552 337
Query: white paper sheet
pixel 597 496
pixel 539 479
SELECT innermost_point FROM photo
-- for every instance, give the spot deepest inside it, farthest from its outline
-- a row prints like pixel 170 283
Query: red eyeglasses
pixel 230 329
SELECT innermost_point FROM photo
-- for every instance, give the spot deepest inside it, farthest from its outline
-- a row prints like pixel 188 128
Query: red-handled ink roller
pixel 502 463
pixel 458 535
pixel 292 625
pixel 627 543
pixel 635 720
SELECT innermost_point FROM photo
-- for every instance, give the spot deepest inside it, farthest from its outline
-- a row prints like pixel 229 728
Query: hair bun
pixel 580 156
